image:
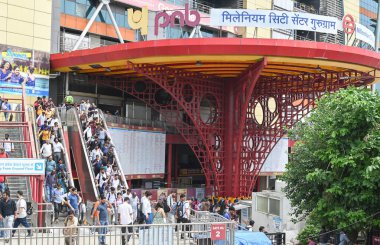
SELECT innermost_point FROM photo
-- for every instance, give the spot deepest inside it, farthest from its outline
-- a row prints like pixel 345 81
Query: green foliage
pixel 311 230
pixel 334 171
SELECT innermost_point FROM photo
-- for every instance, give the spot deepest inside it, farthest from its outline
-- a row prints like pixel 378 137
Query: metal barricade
pixel 152 234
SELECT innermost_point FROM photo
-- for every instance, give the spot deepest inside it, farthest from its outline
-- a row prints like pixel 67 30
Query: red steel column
pixel 170 162
pixel 229 139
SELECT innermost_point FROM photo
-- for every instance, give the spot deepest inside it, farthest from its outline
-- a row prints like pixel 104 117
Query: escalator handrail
pixel 115 152
pixel 65 154
pixel 31 117
pixel 85 150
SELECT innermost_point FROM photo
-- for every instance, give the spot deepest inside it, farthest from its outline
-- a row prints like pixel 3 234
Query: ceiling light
pixel 319 69
pixel 198 63
pixel 108 69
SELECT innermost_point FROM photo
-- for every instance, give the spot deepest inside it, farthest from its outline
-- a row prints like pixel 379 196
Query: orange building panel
pixel 368 13
pixel 77 23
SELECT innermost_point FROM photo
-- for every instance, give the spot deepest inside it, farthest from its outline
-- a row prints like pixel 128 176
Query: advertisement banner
pixel 274 19
pixel 22 166
pixel 365 35
pixel 200 193
pixel 26 66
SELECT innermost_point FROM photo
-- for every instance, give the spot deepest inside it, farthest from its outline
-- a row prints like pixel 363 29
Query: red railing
pixel 36 182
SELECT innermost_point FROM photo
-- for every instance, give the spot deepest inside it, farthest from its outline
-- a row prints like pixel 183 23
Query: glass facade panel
pixel 70 8
pixel 84 9
pixel 81 10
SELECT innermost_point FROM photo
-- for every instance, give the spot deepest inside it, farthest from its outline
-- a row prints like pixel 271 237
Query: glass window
pixel 62 6
pixel 120 20
pixel 274 206
pixel 82 1
pixel 81 10
pixel 262 204
pixel 70 8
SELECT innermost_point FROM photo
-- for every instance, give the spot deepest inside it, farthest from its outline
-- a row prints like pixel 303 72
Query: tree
pixel 333 174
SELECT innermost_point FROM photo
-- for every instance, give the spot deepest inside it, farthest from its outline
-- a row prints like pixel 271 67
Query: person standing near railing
pixel 6 107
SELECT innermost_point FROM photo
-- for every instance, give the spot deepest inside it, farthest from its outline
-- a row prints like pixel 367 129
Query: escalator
pixel 79 154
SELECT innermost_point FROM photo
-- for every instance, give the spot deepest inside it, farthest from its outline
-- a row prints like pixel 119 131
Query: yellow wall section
pixel 260 32
pixel 352 7
pixel 26 23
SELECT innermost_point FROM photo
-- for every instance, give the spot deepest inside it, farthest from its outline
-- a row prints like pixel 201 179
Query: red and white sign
pixel 218 232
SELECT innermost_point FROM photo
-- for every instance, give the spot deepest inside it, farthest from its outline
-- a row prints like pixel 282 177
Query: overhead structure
pixel 230 98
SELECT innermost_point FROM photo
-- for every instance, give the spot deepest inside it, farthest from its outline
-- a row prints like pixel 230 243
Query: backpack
pixel 140 216
pixel 166 206
pixel 29 208
pixel 179 212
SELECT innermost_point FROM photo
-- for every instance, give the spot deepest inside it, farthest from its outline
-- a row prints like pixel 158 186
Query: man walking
pixel 58 150
pixel 125 213
pixel 71 230
pixel 104 210
pixel 74 201
pixel 8 146
pixel 8 213
pixel 183 214
pixel 20 217
pixel 134 203
pixel 146 207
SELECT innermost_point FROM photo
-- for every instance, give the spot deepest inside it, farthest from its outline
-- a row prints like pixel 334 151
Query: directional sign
pixel 218 232
pixel 22 166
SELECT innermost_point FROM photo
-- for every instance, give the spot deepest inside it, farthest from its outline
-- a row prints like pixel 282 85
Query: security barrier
pixel 152 234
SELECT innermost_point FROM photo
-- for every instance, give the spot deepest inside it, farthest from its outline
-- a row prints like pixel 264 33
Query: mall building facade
pixel 54 26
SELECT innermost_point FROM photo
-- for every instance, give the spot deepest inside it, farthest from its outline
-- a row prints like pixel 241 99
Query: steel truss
pixel 231 125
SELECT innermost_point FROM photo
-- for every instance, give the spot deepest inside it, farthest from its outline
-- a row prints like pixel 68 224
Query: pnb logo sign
pixel 139 19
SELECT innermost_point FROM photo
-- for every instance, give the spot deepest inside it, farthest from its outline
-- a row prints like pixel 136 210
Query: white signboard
pixel 277 159
pixel 22 166
pixel 140 152
pixel 274 19
pixel 365 35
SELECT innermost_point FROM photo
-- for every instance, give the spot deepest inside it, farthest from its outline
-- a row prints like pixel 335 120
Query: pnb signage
pixel 138 20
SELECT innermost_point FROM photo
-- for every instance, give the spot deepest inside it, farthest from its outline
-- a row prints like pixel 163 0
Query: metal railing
pixel 134 122
pixel 118 163
pixel 152 234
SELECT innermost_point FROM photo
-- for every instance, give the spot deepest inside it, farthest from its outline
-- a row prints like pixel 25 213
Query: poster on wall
pixel 20 65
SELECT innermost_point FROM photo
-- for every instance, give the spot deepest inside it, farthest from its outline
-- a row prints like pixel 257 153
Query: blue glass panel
pixel 70 8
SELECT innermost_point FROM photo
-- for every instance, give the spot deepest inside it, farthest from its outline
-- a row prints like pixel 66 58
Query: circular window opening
pixel 162 97
pixel 218 165
pixel 209 109
pixel 187 93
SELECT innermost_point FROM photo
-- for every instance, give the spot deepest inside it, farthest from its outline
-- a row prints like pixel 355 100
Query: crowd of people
pixel 57 188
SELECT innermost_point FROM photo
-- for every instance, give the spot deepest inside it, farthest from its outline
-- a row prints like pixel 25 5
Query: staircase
pixel 16 183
